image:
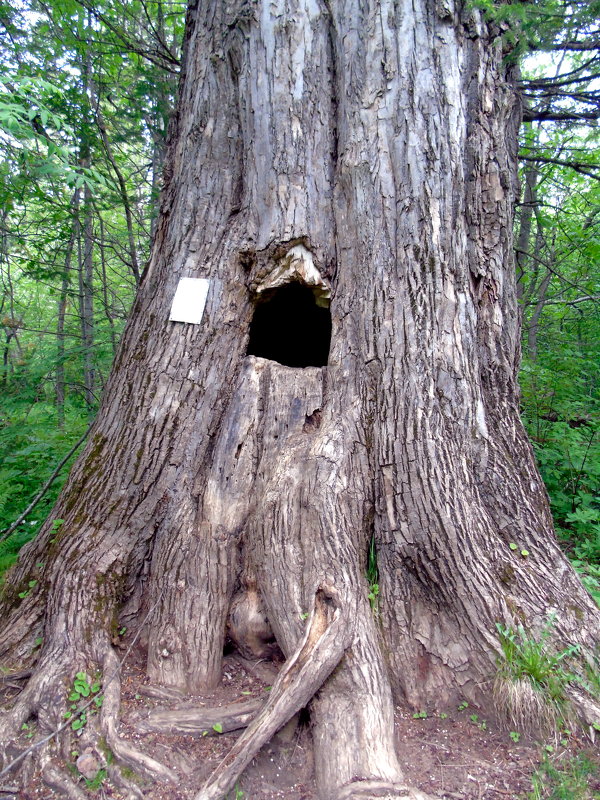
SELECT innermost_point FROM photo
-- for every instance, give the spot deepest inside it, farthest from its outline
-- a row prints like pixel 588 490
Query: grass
pixel 530 689
pixel 572 779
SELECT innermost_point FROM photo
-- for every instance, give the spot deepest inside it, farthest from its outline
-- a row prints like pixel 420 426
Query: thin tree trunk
pixel 133 259
pixel 86 299
pixel 526 218
pixel 105 297
pixel 62 308
pixel 534 320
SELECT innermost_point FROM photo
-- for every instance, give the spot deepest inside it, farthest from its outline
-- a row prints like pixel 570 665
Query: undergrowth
pixel 561 411
pixel 567 779
pixel 530 689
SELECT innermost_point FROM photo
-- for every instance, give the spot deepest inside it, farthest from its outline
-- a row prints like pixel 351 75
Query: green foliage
pixel 79 699
pixel 97 781
pixel 372 575
pixel 567 779
pixel 533 677
pixel 84 104
pixel 559 280
pixel 533 658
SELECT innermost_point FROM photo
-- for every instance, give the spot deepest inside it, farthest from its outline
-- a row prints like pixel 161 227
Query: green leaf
pixel 218 727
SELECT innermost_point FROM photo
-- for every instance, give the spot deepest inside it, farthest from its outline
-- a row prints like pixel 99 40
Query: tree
pixel 73 236
pixel 361 156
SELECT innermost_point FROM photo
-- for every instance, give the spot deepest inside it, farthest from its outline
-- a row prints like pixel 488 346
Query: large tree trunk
pixel 369 149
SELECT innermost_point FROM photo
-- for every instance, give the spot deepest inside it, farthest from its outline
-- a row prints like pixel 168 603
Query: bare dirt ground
pixel 454 754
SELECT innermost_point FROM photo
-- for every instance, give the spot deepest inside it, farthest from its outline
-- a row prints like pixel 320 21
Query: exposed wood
pixel 199 720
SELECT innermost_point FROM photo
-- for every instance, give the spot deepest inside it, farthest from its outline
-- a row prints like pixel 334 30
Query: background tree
pixel 83 113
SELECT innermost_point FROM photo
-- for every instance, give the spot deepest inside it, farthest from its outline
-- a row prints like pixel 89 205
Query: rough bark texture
pixel 378 139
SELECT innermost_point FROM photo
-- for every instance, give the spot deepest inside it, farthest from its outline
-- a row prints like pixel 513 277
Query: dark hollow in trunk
pixel 289 327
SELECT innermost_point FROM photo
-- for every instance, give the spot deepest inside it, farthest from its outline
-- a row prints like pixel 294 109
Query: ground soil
pixel 454 753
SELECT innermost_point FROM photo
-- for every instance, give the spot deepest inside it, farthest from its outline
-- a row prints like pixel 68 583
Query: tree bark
pixel 61 313
pixel 369 151
pixel 86 297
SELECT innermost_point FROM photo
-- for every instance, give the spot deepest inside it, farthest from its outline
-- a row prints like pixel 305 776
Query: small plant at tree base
pixel 28 730
pixel 530 687
pixel 462 706
pixel 515 736
pixel 79 698
pixel 420 715
pixel 97 781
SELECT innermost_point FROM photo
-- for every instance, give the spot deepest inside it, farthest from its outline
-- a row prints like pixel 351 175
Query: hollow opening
pixel 289 327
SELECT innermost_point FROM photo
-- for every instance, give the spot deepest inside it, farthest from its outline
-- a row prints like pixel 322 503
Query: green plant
pixel 97 781
pixel 31 584
pixel 481 724
pixel 443 715
pixel 569 780
pixel 80 705
pixel 530 687
pixel 462 706
pixel 420 715
pixel 515 736
pixel 373 577
pixel 28 730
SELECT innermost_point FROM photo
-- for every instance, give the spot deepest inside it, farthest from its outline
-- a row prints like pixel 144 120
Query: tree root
pixel 329 633
pixel 381 790
pixel 123 751
pixel 162 692
pixel 61 783
pixel 199 720
pixel 587 709
pixel 131 791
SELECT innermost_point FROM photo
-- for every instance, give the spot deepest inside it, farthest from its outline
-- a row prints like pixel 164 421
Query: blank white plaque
pixel 189 301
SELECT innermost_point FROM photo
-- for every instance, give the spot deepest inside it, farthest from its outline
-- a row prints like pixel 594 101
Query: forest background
pixel 86 92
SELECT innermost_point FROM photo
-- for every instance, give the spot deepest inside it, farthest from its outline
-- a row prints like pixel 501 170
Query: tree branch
pixel 578 166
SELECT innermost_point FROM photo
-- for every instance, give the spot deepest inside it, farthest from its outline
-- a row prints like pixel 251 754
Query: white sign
pixel 189 301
